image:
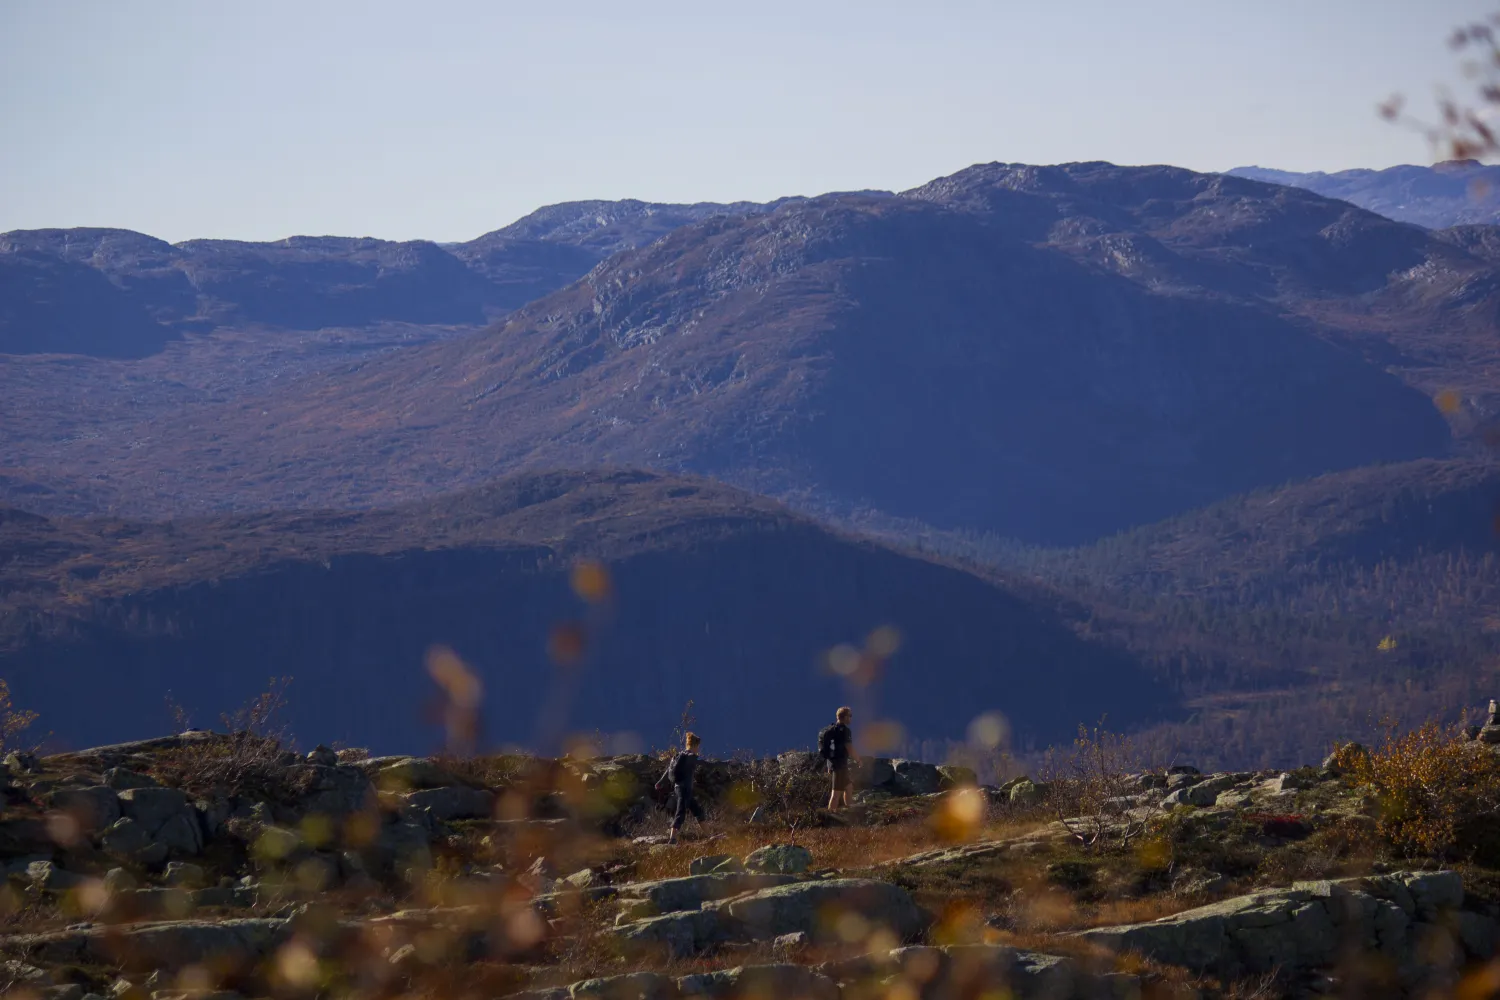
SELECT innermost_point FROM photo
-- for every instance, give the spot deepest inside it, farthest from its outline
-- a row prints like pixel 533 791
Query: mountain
pixel 1051 353
pixel 1289 616
pixel 718 596
pixel 121 294
pixel 1454 193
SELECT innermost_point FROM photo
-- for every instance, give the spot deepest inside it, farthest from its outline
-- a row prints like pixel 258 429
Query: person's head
pixel 691 742
pixel 844 714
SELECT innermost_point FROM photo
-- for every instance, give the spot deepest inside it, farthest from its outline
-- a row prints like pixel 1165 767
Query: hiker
pixel 836 745
pixel 680 773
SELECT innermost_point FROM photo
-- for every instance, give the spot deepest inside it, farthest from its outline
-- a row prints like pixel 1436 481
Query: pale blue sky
pixel 443 120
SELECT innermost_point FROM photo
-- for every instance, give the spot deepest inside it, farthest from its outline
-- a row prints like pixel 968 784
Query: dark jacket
pixel 680 770
pixel 833 744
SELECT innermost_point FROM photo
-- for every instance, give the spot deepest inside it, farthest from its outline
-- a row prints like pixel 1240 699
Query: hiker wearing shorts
pixel 836 745
pixel 680 773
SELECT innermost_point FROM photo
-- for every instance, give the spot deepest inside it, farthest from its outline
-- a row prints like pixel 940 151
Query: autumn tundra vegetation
pixel 230 864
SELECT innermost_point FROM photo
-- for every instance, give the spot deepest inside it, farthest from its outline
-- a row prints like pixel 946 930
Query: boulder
pixel 129 840
pixel 322 755
pixel 815 908
pixel 167 817
pixel 913 777
pixel 714 863
pixel 337 791
pixel 875 772
pixel 414 773
pixel 779 859
pixel 180 873
pixel 631 986
pixel 1204 792
pixel 456 802
pixel 120 778
pixel 163 945
pixel 1026 792
pixel 93 808
pixel 780 980
pixel 1303 927
pixel 957 776
pixel 669 895
pixel 47 877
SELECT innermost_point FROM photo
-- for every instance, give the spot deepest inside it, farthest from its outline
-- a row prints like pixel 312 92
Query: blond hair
pixel 843 714
pixel 691 740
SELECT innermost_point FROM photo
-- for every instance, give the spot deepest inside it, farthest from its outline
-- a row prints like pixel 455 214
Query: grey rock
pixel 1302 927
pixel 875 772
pixel 957 776
pixel 165 945
pixel 120 778
pixel 779 980
pixel 414 773
pixel 913 777
pixel 631 986
pixel 670 895
pixel 714 863
pixel 129 839
pixel 338 790
pixel 812 907
pixel 1027 792
pixel 322 755
pixel 94 808
pixel 21 762
pixel 167 817
pixel 179 873
pixel 48 877
pixel 453 802
pixel 779 859
pixel 680 934
pixel 118 880
pixel 1203 792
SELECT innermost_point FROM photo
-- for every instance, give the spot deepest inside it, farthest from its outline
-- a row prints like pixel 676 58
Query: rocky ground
pixel 209 865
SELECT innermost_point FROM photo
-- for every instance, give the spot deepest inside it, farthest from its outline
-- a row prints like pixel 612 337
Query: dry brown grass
pixel 843 847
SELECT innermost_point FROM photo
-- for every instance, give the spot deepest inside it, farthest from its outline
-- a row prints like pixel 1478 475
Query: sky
pixel 446 119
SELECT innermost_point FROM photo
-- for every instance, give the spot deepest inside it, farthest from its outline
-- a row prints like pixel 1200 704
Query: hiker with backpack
pixel 836 745
pixel 679 774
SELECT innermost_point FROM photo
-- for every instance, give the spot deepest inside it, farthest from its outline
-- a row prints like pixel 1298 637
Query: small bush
pixel 1091 786
pixel 13 721
pixel 1435 790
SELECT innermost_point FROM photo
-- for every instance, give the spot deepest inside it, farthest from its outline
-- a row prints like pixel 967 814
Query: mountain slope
pixel 720 597
pixel 1456 193
pixel 1001 349
pixel 117 293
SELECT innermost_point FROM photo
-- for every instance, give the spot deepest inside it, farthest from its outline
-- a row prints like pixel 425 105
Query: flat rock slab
pixel 162 945
pixel 1305 926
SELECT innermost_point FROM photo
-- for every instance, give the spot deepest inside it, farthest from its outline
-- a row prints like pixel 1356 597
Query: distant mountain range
pixel 117 293
pixel 1053 353
pixel 1455 193
pixel 1214 451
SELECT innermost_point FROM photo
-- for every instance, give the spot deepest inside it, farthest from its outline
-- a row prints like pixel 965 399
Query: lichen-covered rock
pixel 779 859
pixel 957 776
pixel 714 864
pixel 779 980
pixel 92 808
pixel 1026 792
pixel 816 908
pixel 412 773
pixel 913 777
pixel 456 802
pixel 669 895
pixel 1305 926
pixel 130 840
pixel 631 986
pixel 167 817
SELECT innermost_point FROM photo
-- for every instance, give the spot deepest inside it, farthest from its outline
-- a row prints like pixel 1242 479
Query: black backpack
pixel 825 742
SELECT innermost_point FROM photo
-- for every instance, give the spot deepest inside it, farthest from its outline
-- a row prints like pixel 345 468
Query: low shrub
pixel 1436 792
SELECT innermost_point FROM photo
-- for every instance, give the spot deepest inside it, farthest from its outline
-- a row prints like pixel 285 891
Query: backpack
pixel 825 742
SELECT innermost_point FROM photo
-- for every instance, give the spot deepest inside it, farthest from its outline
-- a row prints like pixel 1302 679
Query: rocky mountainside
pixel 715 596
pixel 1287 615
pixel 1454 193
pixel 117 293
pixel 998 350
pixel 232 865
